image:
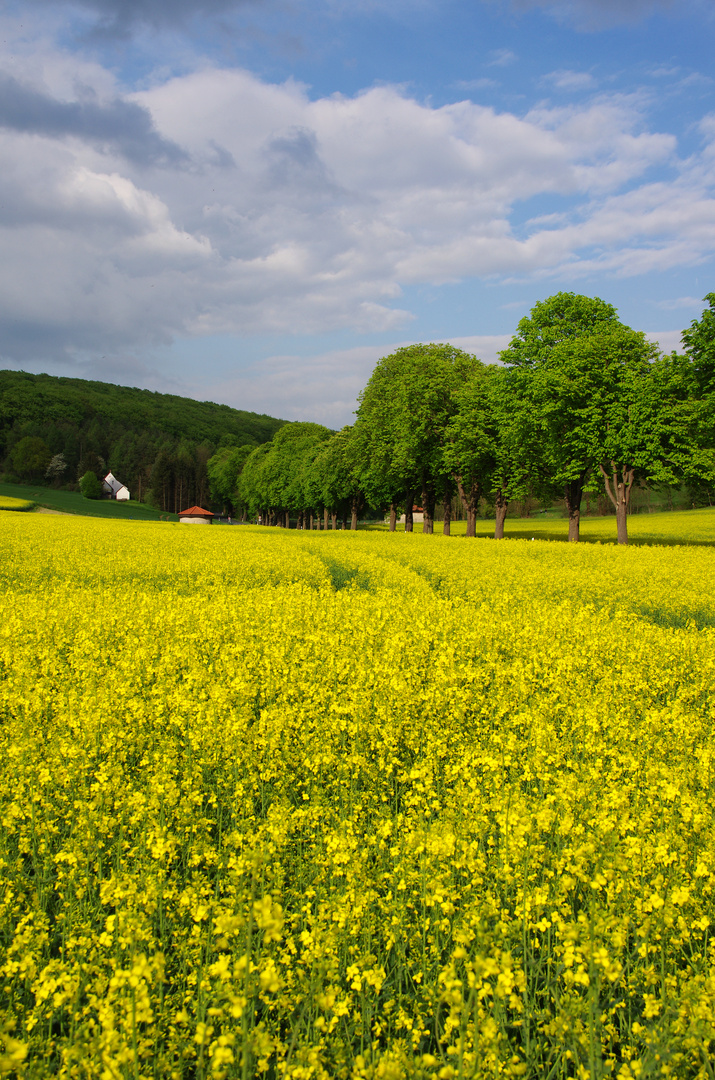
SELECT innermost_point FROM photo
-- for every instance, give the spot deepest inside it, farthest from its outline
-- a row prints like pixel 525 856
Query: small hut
pixel 196 515
pixel 115 489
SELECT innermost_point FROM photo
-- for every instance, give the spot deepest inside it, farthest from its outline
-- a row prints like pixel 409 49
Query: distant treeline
pixel 55 430
pixel 581 405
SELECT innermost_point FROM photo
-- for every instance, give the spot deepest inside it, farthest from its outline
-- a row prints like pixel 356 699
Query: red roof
pixel 195 511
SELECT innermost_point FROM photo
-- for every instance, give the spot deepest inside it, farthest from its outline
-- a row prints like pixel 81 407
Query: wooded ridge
pixel 57 429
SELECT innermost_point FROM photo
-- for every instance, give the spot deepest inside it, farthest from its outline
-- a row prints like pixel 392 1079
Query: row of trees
pixel 580 403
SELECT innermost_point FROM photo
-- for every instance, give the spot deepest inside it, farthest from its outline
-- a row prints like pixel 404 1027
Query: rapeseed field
pixel 9 503
pixel 353 805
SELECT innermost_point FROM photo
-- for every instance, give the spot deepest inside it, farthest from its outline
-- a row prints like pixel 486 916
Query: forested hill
pixel 150 441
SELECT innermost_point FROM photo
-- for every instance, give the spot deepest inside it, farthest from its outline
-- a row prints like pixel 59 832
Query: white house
pixel 418 516
pixel 114 489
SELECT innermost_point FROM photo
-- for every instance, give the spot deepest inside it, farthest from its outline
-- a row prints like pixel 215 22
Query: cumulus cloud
pixel 217 203
pixel 122 125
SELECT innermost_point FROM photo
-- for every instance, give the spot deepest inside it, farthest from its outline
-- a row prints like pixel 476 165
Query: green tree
pixel 625 419
pixel 483 448
pixel 692 382
pixel 91 486
pixel 251 483
pixel 162 479
pixel 337 475
pixel 278 481
pixel 699 342
pixel 402 422
pixel 30 458
pixel 550 390
pixel 293 484
pixel 224 470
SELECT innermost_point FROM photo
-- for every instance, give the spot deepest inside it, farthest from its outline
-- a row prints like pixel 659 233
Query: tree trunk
pixel 287 519
pixel 334 517
pixel 353 517
pixel 620 496
pixel 325 519
pixel 428 504
pixel 573 493
pixel 447 527
pixel 311 520
pixel 501 506
pixel 470 499
pixel 409 498
pixel 393 517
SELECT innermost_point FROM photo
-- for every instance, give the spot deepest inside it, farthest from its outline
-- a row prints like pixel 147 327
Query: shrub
pixel 90 486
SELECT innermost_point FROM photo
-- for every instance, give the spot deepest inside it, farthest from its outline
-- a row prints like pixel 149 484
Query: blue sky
pixel 253 201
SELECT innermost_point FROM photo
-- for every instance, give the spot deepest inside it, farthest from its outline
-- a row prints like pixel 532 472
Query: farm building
pixel 196 515
pixel 114 489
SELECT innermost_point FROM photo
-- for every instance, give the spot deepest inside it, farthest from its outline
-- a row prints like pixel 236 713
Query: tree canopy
pixel 402 422
pixel 584 402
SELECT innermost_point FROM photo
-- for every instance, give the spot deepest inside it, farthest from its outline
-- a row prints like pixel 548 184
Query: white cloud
pixel 484 346
pixel 475 84
pixel 501 58
pixel 681 302
pixel 570 80
pixel 667 340
pixel 324 387
pixel 278 213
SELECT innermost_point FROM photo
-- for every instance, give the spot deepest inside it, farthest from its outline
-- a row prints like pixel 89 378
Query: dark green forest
pixel 54 430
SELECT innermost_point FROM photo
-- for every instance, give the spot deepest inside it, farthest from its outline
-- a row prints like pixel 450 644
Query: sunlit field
pixel 73 502
pixel 683 527
pixel 10 503
pixel 355 805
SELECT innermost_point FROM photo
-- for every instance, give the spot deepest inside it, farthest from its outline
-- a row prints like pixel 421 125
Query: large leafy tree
pixel 224 469
pixel 559 361
pixel 277 479
pixel 337 475
pixel 483 449
pixel 30 458
pixel 290 465
pixel 622 428
pixel 692 381
pixel 252 484
pixel 699 342
pixel 401 429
